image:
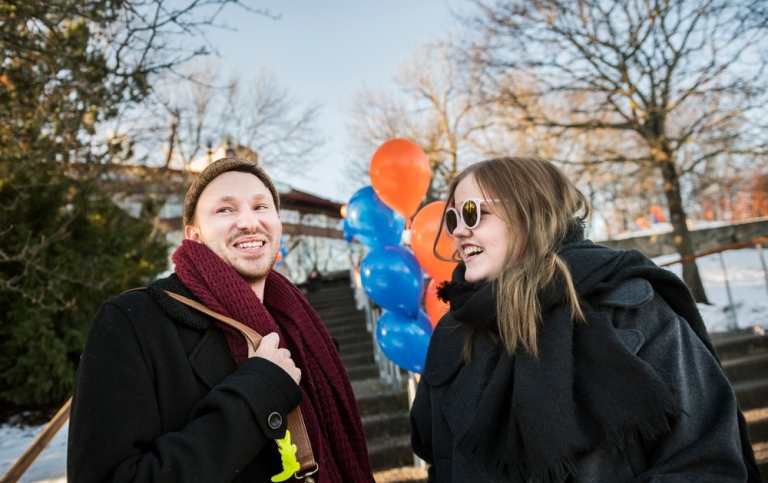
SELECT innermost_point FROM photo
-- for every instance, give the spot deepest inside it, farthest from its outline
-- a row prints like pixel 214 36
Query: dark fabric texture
pixel 159 398
pixel 546 424
pixel 329 407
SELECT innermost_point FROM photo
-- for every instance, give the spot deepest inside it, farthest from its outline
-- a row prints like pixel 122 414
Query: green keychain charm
pixel 288 458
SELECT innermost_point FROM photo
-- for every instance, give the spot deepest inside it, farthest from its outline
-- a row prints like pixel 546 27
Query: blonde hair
pixel 538 205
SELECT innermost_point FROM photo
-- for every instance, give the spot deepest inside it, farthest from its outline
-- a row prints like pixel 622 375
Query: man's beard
pixel 257 275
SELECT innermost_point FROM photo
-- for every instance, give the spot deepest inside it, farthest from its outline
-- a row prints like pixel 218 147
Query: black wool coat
pixel 158 397
pixel 702 446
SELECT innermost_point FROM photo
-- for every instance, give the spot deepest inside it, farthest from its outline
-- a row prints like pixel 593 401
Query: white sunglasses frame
pixel 478 201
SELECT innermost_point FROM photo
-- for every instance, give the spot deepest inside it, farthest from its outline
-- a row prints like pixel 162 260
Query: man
pixel 315 280
pixel 166 393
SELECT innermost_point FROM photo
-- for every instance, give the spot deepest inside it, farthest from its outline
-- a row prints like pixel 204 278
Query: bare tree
pixel 436 106
pixel 665 73
pixel 190 116
pixel 259 114
pixel 198 109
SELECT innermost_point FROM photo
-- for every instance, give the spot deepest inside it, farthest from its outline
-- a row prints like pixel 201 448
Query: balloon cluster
pixel 391 274
pixel 280 258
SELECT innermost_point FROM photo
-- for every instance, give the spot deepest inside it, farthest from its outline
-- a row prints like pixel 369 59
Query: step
pixel 336 305
pixel 757 421
pixel 327 285
pixel 363 372
pixel 341 320
pixel 403 474
pixel 355 317
pixel 339 327
pixel 341 324
pixel 387 453
pixel 348 312
pixel 332 301
pixel 750 366
pixel 330 298
pixel 761 455
pixel 326 298
pixel 752 394
pixel 352 338
pixel 356 348
pixel 381 404
pixel 739 343
pixel 386 425
pixel 360 359
pixel 348 315
pixel 375 396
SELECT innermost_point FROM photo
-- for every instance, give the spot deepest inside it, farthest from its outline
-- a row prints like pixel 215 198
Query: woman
pixel 562 360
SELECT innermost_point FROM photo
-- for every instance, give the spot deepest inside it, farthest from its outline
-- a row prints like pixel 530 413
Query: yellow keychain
pixel 288 458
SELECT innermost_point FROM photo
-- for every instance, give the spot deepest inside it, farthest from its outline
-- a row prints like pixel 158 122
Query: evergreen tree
pixel 75 249
pixel 68 67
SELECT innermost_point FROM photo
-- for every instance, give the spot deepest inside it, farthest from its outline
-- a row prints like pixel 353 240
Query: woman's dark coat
pixel 703 444
pixel 171 404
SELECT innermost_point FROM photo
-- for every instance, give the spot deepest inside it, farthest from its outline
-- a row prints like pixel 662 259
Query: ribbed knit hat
pixel 216 168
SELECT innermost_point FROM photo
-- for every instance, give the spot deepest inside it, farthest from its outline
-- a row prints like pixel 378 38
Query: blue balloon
pixel 404 340
pixel 392 277
pixel 348 235
pixel 373 223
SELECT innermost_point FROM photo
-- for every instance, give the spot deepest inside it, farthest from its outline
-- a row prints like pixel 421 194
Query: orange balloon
pixel 343 210
pixel 435 307
pixel 424 230
pixel 400 175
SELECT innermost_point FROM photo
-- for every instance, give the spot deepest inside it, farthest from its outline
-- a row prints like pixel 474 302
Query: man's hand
pixel 269 349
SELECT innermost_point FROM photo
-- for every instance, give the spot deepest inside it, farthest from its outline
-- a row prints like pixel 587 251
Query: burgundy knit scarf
pixel 329 408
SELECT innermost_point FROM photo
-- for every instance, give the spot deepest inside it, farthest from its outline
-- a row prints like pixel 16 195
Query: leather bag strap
pixel 296 426
pixel 253 337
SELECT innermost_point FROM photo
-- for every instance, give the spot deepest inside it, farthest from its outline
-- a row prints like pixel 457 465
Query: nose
pixel 461 230
pixel 248 220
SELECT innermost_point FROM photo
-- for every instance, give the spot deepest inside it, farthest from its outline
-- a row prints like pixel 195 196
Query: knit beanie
pixel 216 168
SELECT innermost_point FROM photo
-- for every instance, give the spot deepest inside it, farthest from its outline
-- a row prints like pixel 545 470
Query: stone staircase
pixel 744 355
pixel 383 409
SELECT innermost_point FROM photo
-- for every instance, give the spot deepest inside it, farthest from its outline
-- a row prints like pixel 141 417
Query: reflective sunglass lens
pixel 469 214
pixel 451 222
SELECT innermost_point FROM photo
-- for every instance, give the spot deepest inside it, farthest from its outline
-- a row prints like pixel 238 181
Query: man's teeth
pixel 257 244
pixel 472 250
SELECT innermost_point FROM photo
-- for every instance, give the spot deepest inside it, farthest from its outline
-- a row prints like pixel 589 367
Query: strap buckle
pixel 308 475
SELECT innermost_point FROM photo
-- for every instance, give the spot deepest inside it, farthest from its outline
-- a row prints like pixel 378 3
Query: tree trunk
pixel 681 235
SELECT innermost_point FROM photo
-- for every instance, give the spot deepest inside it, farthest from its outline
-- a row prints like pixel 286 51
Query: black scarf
pixel 586 389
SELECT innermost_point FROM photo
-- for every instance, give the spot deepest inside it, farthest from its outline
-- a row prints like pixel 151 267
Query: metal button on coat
pixel 275 420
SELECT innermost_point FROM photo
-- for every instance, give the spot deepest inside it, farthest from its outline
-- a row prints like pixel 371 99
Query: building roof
pixel 309 203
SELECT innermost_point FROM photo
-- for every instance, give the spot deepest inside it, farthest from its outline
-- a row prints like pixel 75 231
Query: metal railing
pixel 388 370
pixel 756 242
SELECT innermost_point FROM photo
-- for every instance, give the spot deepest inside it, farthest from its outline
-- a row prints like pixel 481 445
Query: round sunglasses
pixel 469 213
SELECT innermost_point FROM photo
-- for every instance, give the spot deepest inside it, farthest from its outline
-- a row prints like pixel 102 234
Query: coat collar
pixel 174 309
pixel 207 350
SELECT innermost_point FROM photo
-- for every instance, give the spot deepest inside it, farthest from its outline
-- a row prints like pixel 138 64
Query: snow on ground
pixel 50 465
pixel 744 273
pixel 740 272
